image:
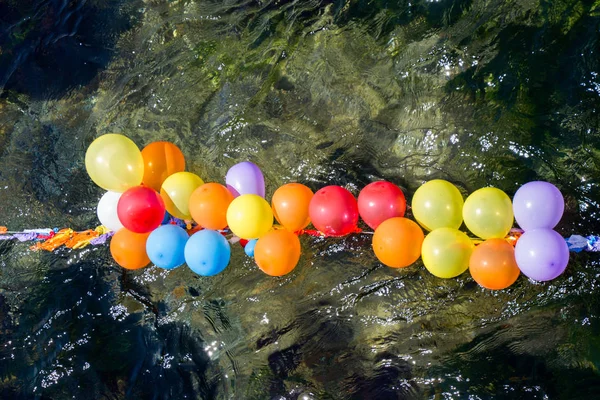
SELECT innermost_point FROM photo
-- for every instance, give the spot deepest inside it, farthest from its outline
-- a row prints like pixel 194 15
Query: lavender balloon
pixel 538 205
pixel 245 178
pixel 542 254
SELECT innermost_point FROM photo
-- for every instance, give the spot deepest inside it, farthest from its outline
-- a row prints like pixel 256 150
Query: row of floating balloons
pixel 141 186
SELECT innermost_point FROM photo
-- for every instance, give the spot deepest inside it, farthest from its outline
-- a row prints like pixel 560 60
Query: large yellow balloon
pixel 438 204
pixel 446 252
pixel 114 163
pixel 249 216
pixel 176 191
pixel 488 213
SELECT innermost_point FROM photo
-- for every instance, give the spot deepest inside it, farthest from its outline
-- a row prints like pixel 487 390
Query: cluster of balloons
pixel 540 253
pixel 145 187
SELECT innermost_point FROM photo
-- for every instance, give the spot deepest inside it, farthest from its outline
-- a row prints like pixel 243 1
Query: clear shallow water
pixel 320 92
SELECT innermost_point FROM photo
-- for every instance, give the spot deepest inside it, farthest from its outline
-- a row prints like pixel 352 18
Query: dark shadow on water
pixel 73 339
pixel 533 85
pixel 383 16
pixel 49 47
pixel 327 345
pixel 502 373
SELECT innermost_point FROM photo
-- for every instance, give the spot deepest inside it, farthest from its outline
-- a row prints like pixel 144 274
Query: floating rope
pixel 51 239
pixel 578 243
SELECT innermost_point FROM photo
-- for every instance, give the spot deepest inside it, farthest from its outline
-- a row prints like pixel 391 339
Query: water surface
pixel 319 92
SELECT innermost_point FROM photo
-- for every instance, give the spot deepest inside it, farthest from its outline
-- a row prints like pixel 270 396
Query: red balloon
pixel 379 201
pixel 141 209
pixel 333 211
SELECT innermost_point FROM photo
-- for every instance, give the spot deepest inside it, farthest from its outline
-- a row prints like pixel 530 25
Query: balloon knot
pixel 193 229
pixel 514 236
pixel 101 230
pixel 312 232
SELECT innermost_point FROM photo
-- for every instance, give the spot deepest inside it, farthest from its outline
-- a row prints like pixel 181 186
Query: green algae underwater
pixel 481 93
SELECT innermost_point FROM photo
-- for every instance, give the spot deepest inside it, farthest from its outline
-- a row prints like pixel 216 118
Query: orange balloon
pixel 161 159
pixel 277 252
pixel 493 264
pixel 397 242
pixel 208 205
pixel 290 206
pixel 129 249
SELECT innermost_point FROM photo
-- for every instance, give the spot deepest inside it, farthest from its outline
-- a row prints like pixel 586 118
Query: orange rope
pixel 78 238
pixel 55 242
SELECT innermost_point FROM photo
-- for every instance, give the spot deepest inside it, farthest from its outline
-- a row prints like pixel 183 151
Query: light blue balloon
pixel 207 252
pixel 165 246
pixel 249 248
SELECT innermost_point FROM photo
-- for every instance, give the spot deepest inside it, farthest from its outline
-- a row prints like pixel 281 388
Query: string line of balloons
pixel 144 186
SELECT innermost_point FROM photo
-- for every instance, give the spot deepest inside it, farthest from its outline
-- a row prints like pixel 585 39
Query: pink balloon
pixel 379 201
pixel 333 211
pixel 141 209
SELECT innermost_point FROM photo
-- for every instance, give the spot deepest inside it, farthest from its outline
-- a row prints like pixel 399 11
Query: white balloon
pixel 107 211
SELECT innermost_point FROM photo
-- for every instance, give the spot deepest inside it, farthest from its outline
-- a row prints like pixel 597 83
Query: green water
pixel 319 92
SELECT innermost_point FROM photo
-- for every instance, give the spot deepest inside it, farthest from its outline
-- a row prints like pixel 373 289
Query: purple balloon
pixel 245 178
pixel 542 254
pixel 232 190
pixel 538 205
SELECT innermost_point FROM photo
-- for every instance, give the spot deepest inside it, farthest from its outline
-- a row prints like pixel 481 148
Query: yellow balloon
pixel 438 204
pixel 488 213
pixel 249 216
pixel 114 163
pixel 446 252
pixel 176 191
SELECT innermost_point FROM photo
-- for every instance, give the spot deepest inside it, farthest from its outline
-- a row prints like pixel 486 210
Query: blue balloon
pixel 165 246
pixel 249 248
pixel 207 252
